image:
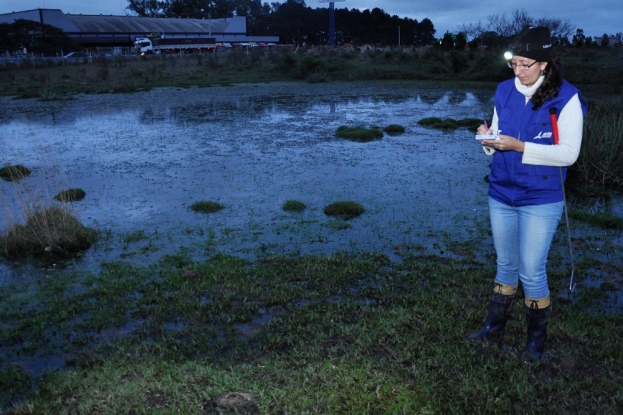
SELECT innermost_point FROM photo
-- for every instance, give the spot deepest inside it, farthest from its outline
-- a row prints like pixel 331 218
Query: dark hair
pixel 550 86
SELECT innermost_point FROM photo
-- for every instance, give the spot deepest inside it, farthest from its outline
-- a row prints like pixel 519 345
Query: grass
pixel 70 195
pixel 293 206
pixel 49 232
pixel 345 209
pixel 602 219
pixel 206 206
pixel 394 129
pixel 14 172
pixel 359 134
pixel 339 334
pixel 601 156
pixel 450 124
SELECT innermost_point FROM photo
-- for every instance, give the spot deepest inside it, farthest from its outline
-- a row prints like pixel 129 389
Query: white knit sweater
pixel 570 126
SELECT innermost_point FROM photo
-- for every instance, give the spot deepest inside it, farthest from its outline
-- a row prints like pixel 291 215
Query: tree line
pixel 295 22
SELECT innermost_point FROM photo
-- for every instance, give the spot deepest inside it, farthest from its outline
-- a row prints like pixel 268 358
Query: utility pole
pixel 331 24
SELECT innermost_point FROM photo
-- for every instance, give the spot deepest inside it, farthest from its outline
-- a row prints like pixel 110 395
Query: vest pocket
pixel 544 178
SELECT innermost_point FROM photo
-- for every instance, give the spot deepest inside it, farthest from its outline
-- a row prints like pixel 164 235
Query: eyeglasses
pixel 515 66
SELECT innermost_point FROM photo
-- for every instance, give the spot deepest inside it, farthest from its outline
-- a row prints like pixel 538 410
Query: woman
pixel 525 183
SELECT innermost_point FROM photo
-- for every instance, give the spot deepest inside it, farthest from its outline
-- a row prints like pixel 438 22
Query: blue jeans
pixel 522 237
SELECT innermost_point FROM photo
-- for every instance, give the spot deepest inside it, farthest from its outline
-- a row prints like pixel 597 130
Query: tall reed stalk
pixel 601 158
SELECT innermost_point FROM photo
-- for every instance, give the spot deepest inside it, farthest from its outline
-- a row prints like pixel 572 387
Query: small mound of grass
pixel 70 195
pixel 359 134
pixel 346 209
pixel 450 123
pixel 14 172
pixel 206 206
pixel 602 219
pixel 293 206
pixel 394 129
pixel 49 232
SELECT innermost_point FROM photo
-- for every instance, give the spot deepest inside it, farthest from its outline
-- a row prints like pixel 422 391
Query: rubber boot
pixel 500 307
pixel 537 330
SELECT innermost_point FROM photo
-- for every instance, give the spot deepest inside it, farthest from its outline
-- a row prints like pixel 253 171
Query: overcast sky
pixel 595 17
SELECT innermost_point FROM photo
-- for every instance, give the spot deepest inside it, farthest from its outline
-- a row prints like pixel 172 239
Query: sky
pixel 595 17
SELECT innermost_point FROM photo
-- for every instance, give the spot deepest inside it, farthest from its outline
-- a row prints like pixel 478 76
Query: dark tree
pixel 460 42
pixel 38 38
pixel 447 42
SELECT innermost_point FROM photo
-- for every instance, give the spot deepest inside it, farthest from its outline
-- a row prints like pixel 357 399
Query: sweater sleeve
pixel 570 126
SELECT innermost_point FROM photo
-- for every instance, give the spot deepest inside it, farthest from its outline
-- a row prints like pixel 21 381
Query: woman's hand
pixel 483 130
pixel 504 143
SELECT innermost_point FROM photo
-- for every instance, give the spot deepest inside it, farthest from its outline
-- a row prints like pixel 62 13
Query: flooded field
pixel 144 158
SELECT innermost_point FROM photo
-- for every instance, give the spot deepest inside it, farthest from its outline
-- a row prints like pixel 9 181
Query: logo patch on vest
pixel 543 135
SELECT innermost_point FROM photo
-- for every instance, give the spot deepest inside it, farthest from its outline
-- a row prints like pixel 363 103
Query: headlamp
pixel 508 55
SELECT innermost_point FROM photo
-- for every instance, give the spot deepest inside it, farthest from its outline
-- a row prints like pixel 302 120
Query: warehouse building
pixel 118 33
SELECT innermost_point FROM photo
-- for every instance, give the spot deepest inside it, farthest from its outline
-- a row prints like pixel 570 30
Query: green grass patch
pixel 49 232
pixel 14 172
pixel 359 134
pixel 339 225
pixel 338 334
pixel 135 236
pixel 346 209
pixel 450 123
pixel 206 206
pixel 602 219
pixel 394 129
pixel 293 206
pixel 70 195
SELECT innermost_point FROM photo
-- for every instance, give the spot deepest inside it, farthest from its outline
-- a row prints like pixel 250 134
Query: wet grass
pixel 14 172
pixel 394 129
pixel 345 209
pixel 450 124
pixel 601 219
pixel 49 232
pixel 206 206
pixel 293 206
pixel 70 195
pixel 342 333
pixel 359 134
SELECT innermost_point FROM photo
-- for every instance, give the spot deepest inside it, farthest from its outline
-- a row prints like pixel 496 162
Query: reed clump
pixel 49 231
pixel 206 206
pixel 601 157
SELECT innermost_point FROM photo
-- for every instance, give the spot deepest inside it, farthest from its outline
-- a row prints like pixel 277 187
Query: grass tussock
pixel 293 206
pixel 359 134
pixel 394 129
pixel 346 209
pixel 70 195
pixel 206 206
pixel 450 123
pixel 49 232
pixel 14 172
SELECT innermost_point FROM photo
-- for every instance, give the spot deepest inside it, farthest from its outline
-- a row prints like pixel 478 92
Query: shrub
pixel 601 154
pixel 49 232
pixel 346 209
pixel 394 129
pixel 70 195
pixel 14 172
pixel 359 134
pixel 294 206
pixel 206 206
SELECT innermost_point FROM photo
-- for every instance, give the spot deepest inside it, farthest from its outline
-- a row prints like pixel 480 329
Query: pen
pixel 486 126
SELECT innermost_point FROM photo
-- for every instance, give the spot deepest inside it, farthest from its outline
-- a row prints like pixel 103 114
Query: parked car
pixel 76 55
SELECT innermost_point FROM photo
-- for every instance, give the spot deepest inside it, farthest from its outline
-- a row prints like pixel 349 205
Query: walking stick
pixel 552 115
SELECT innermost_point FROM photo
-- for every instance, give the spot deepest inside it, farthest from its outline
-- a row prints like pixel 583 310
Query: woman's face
pixel 527 70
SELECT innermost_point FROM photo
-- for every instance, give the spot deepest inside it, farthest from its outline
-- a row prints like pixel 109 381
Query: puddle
pixel 143 159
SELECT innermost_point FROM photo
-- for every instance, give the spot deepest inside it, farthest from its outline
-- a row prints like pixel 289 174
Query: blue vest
pixel 511 182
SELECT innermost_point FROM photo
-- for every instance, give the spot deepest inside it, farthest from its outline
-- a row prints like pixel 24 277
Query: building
pixel 119 32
